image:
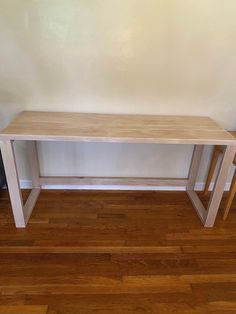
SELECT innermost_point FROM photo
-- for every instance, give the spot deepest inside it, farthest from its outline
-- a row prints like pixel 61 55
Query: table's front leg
pixel 218 190
pixel 9 162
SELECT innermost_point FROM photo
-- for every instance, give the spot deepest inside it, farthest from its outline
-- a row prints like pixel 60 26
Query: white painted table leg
pixel 9 161
pixel 218 190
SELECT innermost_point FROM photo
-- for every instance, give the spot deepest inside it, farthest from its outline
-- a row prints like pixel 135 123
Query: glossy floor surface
pixel 113 252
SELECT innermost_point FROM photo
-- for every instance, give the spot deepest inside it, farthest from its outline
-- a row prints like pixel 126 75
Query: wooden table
pixel 54 126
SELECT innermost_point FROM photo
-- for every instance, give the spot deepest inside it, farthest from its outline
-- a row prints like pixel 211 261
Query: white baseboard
pixel 27 184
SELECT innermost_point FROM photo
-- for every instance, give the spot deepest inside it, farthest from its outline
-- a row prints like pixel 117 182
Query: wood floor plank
pixel 24 309
pixel 116 252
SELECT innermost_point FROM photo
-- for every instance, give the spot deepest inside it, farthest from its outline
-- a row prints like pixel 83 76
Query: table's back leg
pixel 9 161
pixel 194 167
pixel 218 190
pixel 214 160
pixel 35 174
pixel 34 163
pixel 192 177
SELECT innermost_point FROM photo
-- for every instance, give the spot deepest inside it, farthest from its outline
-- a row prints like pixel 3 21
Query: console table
pixel 33 126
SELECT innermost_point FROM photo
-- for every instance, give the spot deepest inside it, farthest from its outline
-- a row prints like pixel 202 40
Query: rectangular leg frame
pixel 21 212
pixel 208 216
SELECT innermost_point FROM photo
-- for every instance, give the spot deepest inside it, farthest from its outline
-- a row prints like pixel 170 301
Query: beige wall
pixel 126 56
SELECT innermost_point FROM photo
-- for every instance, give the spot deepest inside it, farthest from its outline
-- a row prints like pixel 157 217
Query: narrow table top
pixel 62 126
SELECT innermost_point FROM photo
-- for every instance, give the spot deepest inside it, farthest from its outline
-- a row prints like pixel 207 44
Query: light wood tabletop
pixel 34 126
pixel 60 126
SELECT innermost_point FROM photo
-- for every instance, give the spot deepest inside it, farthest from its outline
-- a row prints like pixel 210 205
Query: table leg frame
pixel 208 215
pixel 21 211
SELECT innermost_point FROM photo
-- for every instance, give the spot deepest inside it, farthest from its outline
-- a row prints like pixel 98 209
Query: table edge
pixel 59 138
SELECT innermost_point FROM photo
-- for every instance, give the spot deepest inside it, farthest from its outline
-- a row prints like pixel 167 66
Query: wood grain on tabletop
pixel 116 128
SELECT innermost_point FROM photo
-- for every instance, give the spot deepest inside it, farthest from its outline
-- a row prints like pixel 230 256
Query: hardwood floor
pixel 100 252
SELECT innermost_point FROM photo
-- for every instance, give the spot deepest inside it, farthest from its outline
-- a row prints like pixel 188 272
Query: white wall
pixel 126 56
